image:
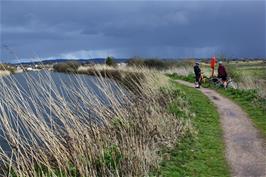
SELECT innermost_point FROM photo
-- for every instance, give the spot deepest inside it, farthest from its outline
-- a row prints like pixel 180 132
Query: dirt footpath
pixel 245 148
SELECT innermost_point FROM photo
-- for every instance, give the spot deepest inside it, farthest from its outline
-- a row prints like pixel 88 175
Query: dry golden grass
pixel 81 134
pixel 4 73
pixel 249 82
pixel 182 70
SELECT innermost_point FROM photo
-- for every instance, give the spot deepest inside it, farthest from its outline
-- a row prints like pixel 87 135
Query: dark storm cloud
pixel 123 29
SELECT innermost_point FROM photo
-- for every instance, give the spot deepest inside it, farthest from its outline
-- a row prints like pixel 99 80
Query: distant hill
pixel 82 61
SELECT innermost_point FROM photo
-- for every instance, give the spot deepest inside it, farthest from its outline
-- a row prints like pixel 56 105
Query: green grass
pixel 200 154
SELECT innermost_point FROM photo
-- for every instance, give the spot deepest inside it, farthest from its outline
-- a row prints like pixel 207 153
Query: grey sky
pixel 169 29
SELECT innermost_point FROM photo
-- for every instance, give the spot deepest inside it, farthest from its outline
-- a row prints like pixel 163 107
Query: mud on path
pixel 245 148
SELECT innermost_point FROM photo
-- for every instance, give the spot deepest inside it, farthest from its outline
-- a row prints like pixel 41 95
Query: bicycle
pixel 230 83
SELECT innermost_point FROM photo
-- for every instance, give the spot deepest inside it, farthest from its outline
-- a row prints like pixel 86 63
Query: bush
pixel 3 66
pixel 70 66
pixel 135 62
pixel 110 61
pixel 152 63
pixel 7 67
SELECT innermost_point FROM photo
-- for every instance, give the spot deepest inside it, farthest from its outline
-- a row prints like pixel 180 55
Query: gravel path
pixel 245 148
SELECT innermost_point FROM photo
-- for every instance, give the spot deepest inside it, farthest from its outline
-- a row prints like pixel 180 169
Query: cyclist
pixel 197 72
pixel 222 74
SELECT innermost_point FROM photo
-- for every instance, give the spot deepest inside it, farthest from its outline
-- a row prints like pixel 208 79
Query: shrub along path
pixel 245 147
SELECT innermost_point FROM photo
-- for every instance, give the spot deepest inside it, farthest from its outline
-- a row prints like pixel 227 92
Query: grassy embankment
pixel 201 154
pixel 252 89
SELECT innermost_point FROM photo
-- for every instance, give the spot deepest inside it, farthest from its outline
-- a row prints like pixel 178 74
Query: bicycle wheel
pixel 232 84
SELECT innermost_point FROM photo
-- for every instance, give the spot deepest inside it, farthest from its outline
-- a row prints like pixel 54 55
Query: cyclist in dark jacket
pixel 197 72
pixel 222 73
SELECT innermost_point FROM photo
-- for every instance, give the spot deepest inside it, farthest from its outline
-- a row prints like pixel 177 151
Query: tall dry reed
pixel 74 130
